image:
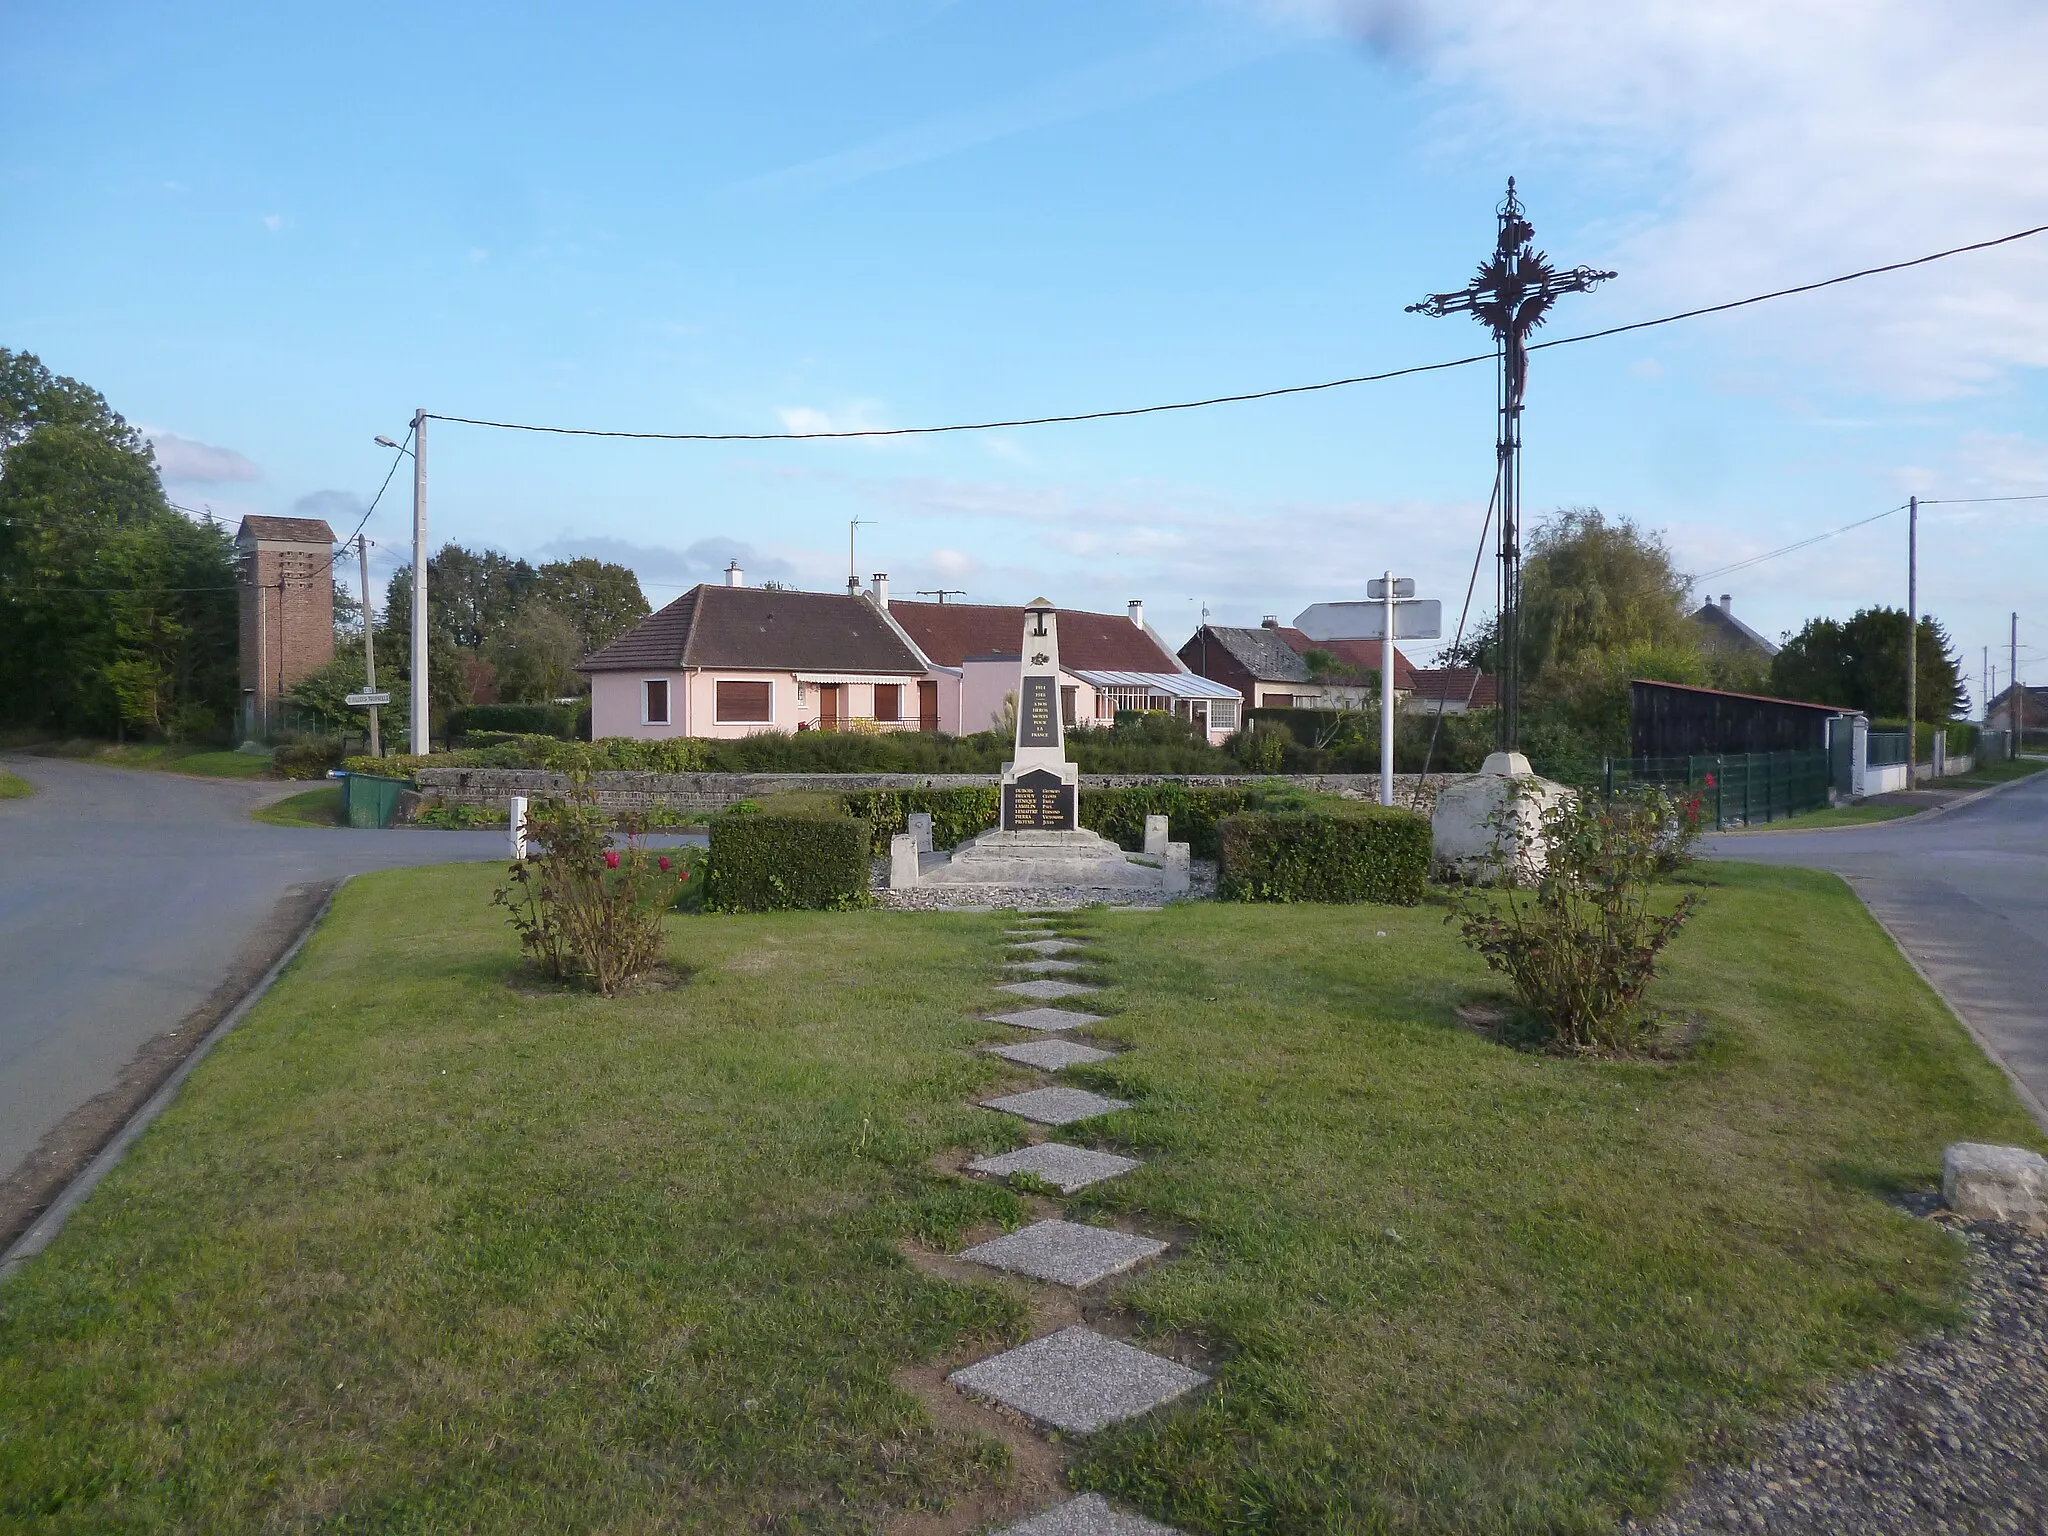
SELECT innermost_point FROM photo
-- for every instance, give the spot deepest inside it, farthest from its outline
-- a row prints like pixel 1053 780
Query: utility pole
pixel 420 723
pixel 1510 295
pixel 1387 694
pixel 369 641
pixel 1912 641
pixel 2017 700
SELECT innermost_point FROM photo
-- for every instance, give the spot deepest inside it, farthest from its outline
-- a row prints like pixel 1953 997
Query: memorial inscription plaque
pixel 1037 717
pixel 1038 802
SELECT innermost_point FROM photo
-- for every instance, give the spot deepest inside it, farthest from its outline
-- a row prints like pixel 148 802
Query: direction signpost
pixel 1394 613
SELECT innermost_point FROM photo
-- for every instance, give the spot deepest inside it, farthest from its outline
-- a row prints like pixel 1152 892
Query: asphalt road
pixel 126 898
pixel 1965 892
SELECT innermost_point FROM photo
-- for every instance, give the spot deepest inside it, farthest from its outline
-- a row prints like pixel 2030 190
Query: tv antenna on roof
pixel 942 593
pixel 852 569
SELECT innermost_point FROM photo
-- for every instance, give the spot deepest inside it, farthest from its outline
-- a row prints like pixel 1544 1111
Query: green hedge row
pixel 957 814
pixel 776 863
pixel 568 722
pixel 1372 853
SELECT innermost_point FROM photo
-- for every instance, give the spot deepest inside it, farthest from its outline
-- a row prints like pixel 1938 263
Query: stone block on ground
pixel 1048 1055
pixel 1065 1168
pixel 1089 1515
pixel 1077 1380
pixel 1055 1106
pixel 918 826
pixel 1992 1183
pixel 1046 991
pixel 1041 967
pixel 1065 1252
pixel 903 866
pixel 1155 836
pixel 1046 1018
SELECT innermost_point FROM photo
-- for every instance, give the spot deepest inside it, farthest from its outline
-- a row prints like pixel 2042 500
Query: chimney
pixel 734 576
pixel 1269 622
pixel 1727 603
pixel 1138 612
pixel 881 589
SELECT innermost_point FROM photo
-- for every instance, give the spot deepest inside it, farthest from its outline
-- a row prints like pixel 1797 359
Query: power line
pixel 1802 544
pixel 1959 501
pixel 372 507
pixel 1238 399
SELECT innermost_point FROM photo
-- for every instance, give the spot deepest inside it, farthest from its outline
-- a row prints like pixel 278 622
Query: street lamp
pixel 418 454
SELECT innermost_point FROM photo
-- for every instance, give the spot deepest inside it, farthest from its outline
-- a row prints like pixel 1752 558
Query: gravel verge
pixel 1952 1436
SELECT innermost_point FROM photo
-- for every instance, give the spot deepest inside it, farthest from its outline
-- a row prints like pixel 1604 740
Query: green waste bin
pixel 370 801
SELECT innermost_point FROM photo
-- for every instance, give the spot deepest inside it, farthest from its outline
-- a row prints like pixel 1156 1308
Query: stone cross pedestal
pixel 1040 787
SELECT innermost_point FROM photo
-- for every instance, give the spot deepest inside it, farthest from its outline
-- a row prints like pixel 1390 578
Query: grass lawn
pixel 208 762
pixel 314 808
pixel 414 1250
pixel 1841 816
pixel 14 787
pixel 1986 774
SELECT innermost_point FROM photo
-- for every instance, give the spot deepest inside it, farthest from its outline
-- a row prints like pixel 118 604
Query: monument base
pixel 1077 860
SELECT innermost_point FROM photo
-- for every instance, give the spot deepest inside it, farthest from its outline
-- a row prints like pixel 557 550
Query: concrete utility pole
pixel 2012 691
pixel 420 723
pixel 369 641
pixel 1387 695
pixel 1912 641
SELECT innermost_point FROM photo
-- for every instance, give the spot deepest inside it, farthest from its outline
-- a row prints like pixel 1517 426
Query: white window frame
pixel 668 701
pixel 720 719
pixel 1218 706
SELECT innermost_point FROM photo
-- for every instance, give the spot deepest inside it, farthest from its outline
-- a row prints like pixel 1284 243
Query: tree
pixel 602 600
pixel 536 656
pixel 1860 664
pixel 31 396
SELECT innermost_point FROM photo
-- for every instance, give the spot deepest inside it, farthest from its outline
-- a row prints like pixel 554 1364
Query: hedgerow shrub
pixel 1368 853
pixel 773 863
pixel 306 759
pixel 568 722
pixel 957 814
pixel 1192 813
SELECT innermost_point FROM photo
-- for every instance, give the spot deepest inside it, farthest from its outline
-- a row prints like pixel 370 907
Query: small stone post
pixel 516 804
pixel 921 830
pixel 1155 836
pixel 902 862
pixel 1176 883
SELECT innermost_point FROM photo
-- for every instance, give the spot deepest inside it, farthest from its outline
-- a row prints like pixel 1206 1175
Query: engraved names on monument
pixel 1037 717
pixel 1040 786
pixel 1038 802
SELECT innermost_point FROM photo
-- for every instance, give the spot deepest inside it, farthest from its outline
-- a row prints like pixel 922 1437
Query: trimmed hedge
pixel 566 722
pixel 1374 853
pixel 306 759
pixel 776 863
pixel 957 814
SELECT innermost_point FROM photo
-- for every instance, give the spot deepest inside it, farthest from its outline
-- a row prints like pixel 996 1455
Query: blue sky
pixel 268 233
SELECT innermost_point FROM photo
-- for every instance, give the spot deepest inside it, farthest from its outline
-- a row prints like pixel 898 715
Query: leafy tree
pixel 601 599
pixel 536 657
pixel 31 396
pixel 319 697
pixel 1589 585
pixel 1860 664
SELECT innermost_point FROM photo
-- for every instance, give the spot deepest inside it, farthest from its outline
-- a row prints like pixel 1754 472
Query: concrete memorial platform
pixel 1046 1018
pixel 1065 1252
pixel 1055 1106
pixel 1048 1055
pixel 1089 1515
pixel 1065 1168
pixel 1077 1380
pixel 1046 991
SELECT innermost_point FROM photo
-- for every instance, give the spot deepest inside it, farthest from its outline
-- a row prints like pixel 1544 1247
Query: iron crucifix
pixel 1510 295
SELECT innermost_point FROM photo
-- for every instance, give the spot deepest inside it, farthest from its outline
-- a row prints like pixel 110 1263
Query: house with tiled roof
pixel 1270 668
pixel 732 660
pixel 1724 634
pixel 1109 662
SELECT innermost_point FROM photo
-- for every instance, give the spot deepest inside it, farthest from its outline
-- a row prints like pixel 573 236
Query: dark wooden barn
pixel 1677 720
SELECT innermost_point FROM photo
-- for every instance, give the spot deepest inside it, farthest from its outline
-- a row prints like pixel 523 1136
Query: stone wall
pixel 714 791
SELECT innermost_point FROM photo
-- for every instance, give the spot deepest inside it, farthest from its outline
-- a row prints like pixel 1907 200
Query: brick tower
pixel 286 569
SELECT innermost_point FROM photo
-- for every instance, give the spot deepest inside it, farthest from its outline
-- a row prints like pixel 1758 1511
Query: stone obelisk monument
pixel 1040 787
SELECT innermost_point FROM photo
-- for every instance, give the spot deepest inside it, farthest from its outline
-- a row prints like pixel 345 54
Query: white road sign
pixel 1414 619
pixel 364 700
pixel 1376 589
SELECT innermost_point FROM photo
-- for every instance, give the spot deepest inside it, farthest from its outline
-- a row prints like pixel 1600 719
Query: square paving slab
pixel 1050 946
pixel 1046 1018
pixel 1065 1252
pixel 1048 1055
pixel 1077 1380
pixel 1041 967
pixel 1046 991
pixel 1065 1168
pixel 1089 1515
pixel 1055 1106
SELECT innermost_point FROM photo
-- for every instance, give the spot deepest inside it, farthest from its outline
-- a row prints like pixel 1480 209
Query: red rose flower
pixel 1708 781
pixel 663 862
pixel 611 859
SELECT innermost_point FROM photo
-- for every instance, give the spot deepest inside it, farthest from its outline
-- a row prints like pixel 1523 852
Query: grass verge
pixel 168 757
pixel 14 787
pixel 314 808
pixel 1841 816
pixel 1985 775
pixel 415 1249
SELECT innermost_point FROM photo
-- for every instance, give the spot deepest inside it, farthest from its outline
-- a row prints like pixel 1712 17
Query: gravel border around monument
pixel 1077 1380
pixel 1950 1436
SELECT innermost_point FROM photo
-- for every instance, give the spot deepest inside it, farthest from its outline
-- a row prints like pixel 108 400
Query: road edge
pixel 40 1232
pixel 2029 1100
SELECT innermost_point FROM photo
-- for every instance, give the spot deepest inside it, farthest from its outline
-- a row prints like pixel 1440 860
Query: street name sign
pixel 366 700
pixel 1414 618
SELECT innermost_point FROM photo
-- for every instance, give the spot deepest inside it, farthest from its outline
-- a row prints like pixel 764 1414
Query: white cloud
pixel 192 462
pixel 1775 143
pixel 273 222
pixel 856 416
pixel 670 570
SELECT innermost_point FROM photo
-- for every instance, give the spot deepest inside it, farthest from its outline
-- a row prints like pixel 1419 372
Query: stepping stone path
pixel 1075 1380
pixel 1046 991
pixel 1065 1168
pixel 1065 1252
pixel 1046 1018
pixel 1048 1055
pixel 1055 1106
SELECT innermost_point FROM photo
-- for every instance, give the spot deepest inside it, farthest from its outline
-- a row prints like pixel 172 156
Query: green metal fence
pixel 370 801
pixel 1887 749
pixel 1735 789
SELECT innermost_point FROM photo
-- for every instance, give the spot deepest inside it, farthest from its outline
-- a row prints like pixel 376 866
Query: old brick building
pixel 287 578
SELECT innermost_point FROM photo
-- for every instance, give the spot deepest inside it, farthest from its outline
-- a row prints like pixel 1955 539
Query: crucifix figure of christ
pixel 1510 295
